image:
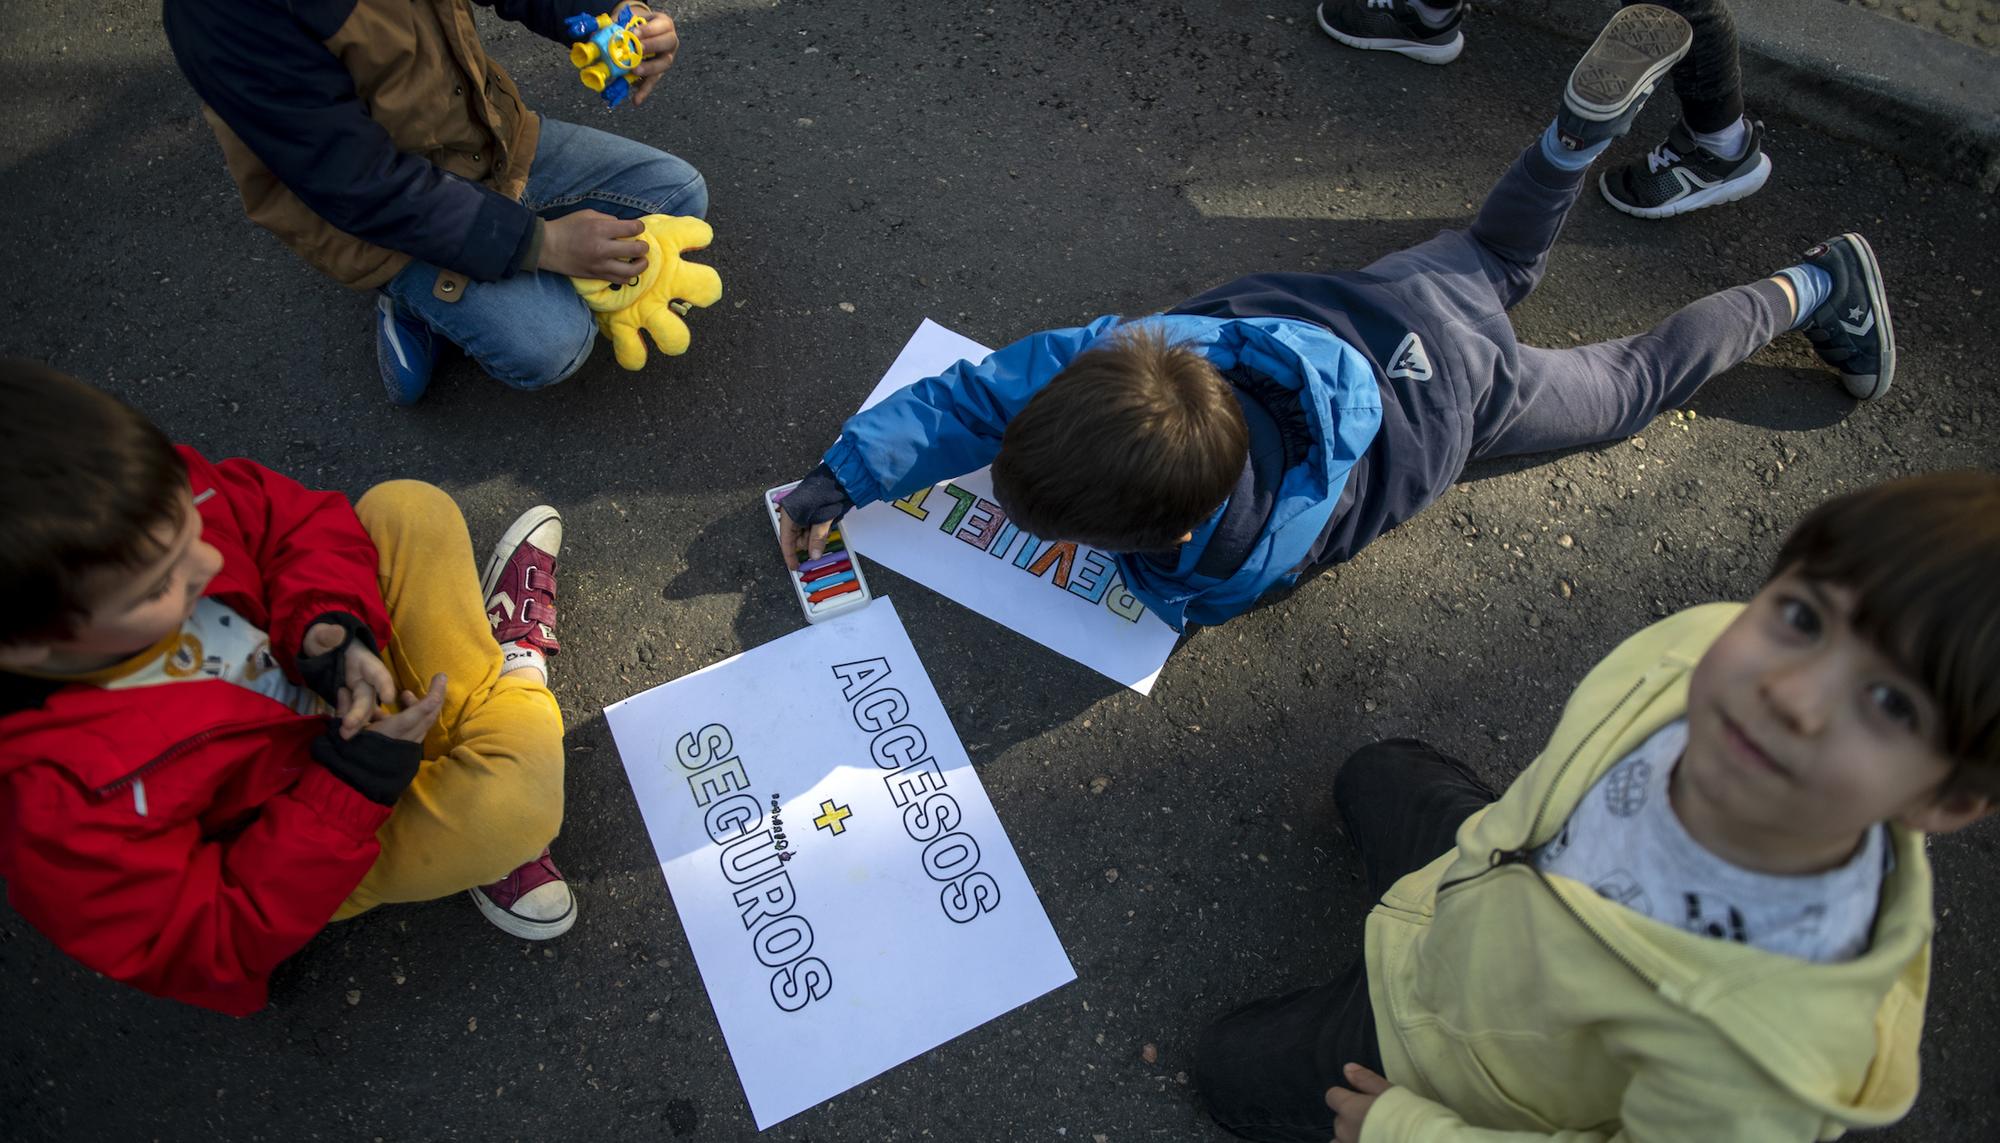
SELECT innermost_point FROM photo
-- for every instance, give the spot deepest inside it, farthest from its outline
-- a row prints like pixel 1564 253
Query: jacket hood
pixel 1342 410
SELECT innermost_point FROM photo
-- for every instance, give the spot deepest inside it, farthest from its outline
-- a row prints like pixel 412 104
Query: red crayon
pixel 830 592
pixel 823 572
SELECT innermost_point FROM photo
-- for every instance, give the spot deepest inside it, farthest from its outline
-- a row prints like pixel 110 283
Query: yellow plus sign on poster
pixel 832 818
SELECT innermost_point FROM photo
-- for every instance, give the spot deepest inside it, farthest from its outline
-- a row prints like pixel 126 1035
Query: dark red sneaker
pixel 533 902
pixel 519 585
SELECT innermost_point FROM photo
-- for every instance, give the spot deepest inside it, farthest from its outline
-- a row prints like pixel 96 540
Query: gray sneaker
pixel 1613 79
pixel 1681 175
pixel 1393 26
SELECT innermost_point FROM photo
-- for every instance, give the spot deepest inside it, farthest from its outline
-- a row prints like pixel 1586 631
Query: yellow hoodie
pixel 1512 1004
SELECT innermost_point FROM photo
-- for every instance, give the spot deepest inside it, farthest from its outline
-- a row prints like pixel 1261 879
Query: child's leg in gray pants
pixel 1533 400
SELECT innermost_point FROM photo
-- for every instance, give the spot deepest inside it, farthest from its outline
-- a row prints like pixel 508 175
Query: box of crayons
pixel 829 585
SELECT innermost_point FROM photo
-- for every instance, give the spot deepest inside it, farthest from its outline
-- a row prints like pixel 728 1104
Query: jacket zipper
pixel 1524 853
pixel 1501 857
pixel 1521 857
pixel 172 752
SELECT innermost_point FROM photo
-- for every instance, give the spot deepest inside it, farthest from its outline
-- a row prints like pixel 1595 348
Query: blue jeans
pixel 531 329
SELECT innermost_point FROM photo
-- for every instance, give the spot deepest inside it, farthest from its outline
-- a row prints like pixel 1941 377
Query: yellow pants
pixel 489 794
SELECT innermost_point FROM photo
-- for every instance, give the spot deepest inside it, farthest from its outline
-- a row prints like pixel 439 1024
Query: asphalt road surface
pixel 1001 168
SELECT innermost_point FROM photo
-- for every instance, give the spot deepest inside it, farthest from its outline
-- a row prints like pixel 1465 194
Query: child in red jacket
pixel 211 743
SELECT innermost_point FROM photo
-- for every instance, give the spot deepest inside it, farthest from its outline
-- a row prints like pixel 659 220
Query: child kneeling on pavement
pixel 1704 912
pixel 197 771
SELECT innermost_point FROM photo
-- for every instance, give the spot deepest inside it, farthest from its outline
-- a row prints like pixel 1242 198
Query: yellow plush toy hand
pixel 625 308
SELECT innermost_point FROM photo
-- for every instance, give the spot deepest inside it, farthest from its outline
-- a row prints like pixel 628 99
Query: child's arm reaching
pixel 929 430
pixel 950 424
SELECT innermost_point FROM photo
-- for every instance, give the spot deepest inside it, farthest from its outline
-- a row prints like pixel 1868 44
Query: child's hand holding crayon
pixel 808 513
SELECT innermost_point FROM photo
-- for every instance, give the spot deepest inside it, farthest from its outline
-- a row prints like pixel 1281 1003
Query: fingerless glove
pixel 818 498
pixel 378 767
pixel 325 674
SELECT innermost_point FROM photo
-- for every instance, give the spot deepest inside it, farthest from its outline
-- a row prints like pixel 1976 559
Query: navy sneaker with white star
pixel 1611 82
pixel 1394 26
pixel 1850 330
pixel 405 351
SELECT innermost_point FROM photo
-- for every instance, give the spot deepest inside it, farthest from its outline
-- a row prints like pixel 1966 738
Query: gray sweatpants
pixel 1457 385
pixel 1535 399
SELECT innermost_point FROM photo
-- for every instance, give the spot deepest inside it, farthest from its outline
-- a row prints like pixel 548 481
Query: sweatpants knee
pixel 400 505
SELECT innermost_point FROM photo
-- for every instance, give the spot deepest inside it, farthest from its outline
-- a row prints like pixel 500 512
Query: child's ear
pixel 23 656
pixel 1948 812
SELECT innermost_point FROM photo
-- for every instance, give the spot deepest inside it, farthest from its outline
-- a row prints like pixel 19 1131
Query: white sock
pixel 521 657
pixel 1728 143
pixel 1434 15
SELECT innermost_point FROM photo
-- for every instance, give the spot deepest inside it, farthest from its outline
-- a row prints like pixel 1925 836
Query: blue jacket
pixel 1310 399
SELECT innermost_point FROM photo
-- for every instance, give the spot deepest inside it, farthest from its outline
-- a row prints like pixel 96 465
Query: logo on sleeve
pixel 1410 362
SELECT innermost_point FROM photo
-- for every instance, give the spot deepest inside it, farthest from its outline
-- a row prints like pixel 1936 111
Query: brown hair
pixel 1923 556
pixel 1133 444
pixel 87 482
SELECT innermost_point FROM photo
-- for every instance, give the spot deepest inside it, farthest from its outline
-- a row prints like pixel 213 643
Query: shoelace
pixel 1381 3
pixel 1660 158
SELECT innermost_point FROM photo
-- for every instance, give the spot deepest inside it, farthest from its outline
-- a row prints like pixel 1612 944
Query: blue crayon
pixel 830 581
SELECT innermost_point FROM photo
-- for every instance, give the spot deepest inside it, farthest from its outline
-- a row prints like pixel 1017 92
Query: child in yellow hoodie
pixel 1704 912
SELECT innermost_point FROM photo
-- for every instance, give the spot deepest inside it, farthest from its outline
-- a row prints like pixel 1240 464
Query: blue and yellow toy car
pixel 605 51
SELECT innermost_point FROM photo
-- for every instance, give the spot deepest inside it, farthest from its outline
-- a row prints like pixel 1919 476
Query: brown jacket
pixel 382 132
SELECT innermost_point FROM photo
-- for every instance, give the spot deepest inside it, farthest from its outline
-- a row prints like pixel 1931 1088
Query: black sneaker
pixel 1613 79
pixel 1850 330
pixel 1393 26
pixel 1681 175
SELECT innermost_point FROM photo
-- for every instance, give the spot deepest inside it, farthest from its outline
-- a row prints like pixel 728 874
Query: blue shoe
pixel 405 351
pixel 1640 45
pixel 1850 330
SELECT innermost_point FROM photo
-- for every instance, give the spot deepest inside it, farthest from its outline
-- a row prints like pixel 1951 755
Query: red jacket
pixel 179 837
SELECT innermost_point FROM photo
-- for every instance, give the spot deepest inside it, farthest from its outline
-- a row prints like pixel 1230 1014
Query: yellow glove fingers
pixel 695 283
pixel 669 332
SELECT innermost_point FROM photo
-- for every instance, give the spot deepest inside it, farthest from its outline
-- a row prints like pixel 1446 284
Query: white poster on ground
pixel 954 539
pixel 846 887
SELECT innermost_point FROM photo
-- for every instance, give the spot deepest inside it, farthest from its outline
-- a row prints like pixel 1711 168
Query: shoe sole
pixel 523 526
pixel 1423 53
pixel 1728 190
pixel 1639 45
pixel 520 926
pixel 1878 301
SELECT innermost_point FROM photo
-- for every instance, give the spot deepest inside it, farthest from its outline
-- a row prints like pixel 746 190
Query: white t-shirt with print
pixel 1625 841
pixel 214 643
